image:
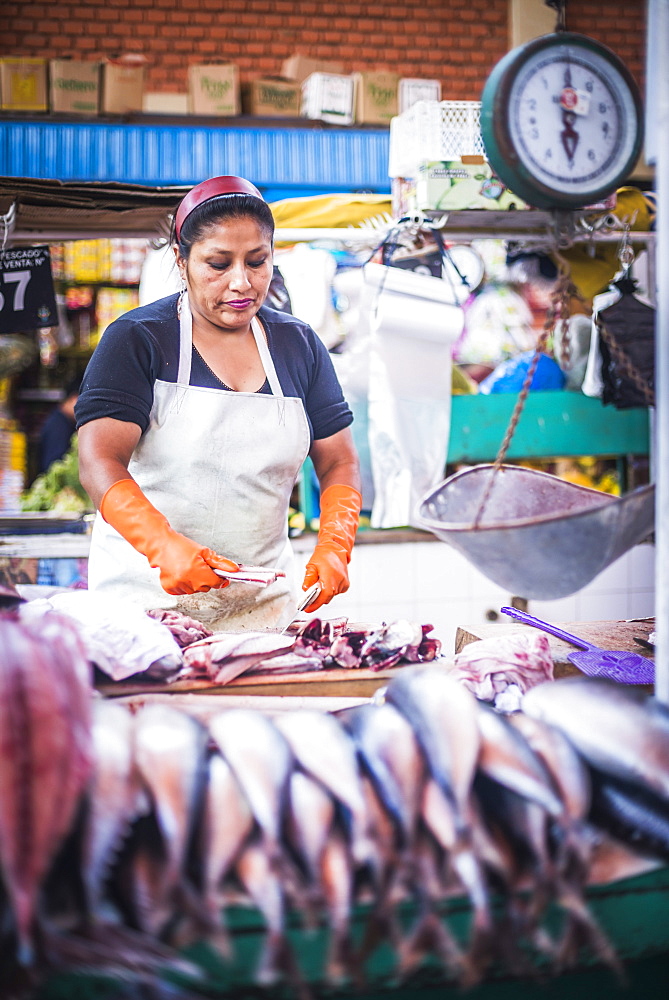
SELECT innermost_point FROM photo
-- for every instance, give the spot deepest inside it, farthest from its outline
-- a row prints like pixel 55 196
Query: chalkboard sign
pixel 27 297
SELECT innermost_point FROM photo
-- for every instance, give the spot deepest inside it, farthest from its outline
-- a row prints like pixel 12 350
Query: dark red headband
pixel 213 188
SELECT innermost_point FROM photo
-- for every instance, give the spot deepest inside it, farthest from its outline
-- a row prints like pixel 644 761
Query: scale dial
pixel 561 121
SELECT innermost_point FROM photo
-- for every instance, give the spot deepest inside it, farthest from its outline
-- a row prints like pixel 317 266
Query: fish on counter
pixel 115 797
pixel 622 735
pixel 227 824
pixel 323 749
pixel 503 668
pixel 262 762
pixel 258 875
pixel 398 641
pixel 313 644
pixel 423 798
pixel 390 754
pixel 311 818
pixel 185 630
pixel 223 656
pixel 46 756
pixel 444 717
pixel 337 878
pixel 170 749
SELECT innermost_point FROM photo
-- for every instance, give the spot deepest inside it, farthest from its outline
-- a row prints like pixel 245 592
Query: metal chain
pixel 625 364
pixel 559 307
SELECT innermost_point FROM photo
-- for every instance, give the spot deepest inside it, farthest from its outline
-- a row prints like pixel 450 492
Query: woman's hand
pixel 105 449
pixel 336 465
pixel 185 567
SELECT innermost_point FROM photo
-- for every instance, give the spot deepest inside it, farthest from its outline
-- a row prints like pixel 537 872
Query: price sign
pixel 27 298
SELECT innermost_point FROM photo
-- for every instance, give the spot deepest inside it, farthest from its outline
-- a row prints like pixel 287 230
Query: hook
pixel 625 250
pixel 563 228
pixel 559 7
pixel 8 222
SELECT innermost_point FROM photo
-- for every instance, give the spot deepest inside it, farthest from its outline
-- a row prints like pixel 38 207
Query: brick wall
pixel 456 41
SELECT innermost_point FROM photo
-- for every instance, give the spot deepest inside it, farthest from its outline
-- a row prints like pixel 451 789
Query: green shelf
pixel 551 425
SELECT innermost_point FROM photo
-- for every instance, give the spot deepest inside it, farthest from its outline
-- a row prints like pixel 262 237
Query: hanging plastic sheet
pixel 413 326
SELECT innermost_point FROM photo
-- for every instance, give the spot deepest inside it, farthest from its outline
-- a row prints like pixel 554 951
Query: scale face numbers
pixel 561 121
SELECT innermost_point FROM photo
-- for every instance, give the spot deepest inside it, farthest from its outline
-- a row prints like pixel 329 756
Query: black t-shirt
pixel 143 345
pixel 55 438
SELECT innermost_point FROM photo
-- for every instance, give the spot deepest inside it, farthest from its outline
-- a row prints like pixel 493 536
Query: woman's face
pixel 228 273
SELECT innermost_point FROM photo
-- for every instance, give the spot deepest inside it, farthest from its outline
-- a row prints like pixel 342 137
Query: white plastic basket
pixel 434 130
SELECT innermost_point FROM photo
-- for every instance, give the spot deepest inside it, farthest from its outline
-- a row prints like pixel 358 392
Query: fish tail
pixel 216 921
pixel 278 962
pixel 307 899
pixel 115 951
pixel 219 939
pixel 431 936
pixel 342 963
pixel 582 928
pixel 470 873
pixel 381 927
pixel 501 946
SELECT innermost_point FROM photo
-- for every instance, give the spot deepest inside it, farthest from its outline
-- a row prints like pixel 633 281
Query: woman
pixel 195 416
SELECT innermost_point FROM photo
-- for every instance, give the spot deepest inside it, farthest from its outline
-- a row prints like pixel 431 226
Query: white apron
pixel 221 466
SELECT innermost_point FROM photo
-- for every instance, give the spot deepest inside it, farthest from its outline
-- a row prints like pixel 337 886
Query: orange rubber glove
pixel 185 567
pixel 340 511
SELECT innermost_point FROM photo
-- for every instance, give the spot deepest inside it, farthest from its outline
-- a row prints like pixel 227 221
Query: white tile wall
pixel 432 583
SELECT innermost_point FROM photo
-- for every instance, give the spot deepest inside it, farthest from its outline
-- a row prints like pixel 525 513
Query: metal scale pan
pixel 539 536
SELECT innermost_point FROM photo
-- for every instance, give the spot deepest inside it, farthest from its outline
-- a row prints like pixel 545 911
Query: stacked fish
pixel 126 836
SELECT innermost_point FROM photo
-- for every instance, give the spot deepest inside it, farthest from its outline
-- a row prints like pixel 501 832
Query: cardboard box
pixel 213 89
pixel 74 87
pixel 123 84
pixel 527 20
pixel 23 84
pixel 272 98
pixel 156 103
pixel 445 185
pixel 375 97
pixel 329 97
pixel 412 89
pixel 299 67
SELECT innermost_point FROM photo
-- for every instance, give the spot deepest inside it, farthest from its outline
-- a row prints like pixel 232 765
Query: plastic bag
pixel 630 323
pixel 571 346
pixel 118 636
pixel 510 375
pixel 413 328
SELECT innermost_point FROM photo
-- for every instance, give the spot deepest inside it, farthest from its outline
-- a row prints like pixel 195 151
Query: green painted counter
pixel 634 912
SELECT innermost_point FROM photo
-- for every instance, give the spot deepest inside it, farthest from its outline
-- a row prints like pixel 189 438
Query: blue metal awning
pixel 284 162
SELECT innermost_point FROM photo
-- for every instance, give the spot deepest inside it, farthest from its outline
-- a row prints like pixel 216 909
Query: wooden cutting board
pixel 325 683
pixel 617 635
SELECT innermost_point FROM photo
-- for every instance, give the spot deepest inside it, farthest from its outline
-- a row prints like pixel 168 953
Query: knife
pixel 310 595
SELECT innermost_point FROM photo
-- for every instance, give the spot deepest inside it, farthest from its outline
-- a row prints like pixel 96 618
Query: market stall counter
pixel 401 840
